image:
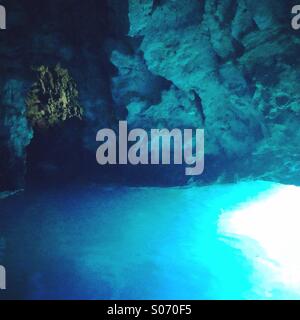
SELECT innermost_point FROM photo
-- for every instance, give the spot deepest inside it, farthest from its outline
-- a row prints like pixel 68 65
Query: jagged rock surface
pixel 239 60
pixel 15 134
pixel 228 66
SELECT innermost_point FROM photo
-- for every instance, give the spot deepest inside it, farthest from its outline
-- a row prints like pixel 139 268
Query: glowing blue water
pixel 137 243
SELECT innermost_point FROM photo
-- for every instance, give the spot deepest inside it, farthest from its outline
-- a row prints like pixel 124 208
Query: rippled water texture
pixel 219 242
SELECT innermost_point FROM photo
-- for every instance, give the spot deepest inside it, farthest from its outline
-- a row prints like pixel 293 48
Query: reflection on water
pixel 211 242
pixel 268 230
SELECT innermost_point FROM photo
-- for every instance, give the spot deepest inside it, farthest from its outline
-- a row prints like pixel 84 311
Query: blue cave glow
pixel 236 241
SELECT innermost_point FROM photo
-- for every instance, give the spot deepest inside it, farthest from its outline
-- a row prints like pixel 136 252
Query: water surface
pixel 90 242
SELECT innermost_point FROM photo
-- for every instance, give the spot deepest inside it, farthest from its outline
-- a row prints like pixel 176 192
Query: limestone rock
pixel 15 134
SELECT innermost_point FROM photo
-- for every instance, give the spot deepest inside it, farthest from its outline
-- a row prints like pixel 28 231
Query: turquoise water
pixel 141 243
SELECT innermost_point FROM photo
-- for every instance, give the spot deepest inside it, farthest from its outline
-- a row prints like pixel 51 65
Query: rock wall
pixel 232 68
pixel 15 134
pixel 47 33
pixel 228 66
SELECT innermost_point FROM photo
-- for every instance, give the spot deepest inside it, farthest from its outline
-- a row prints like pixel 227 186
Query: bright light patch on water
pixel 269 232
